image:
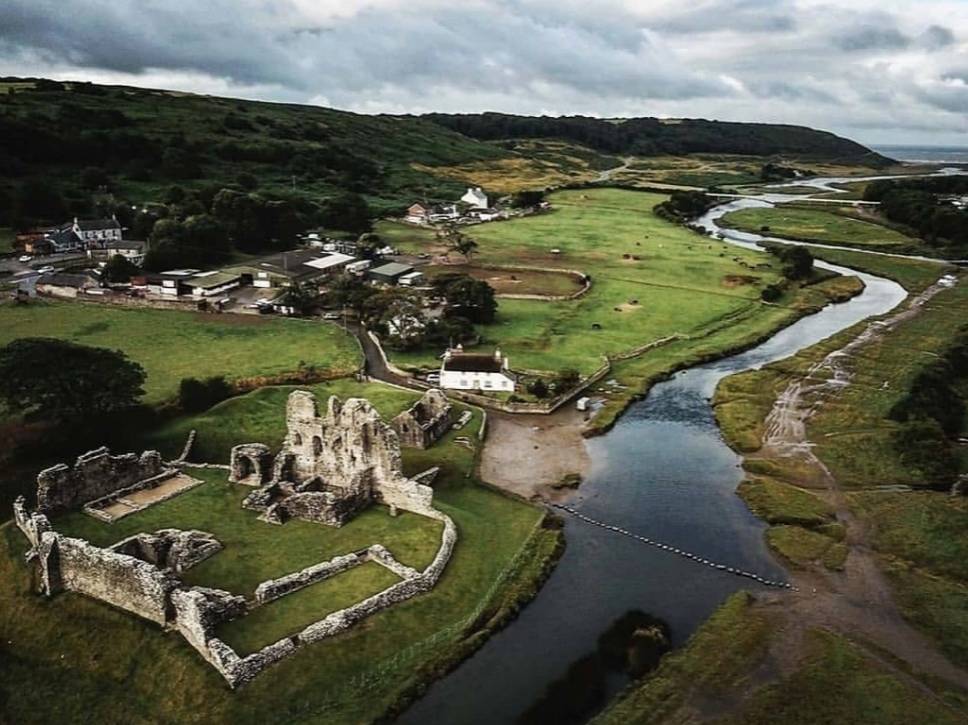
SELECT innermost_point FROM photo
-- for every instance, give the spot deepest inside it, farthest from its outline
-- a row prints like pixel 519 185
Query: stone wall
pixel 124 581
pixel 171 549
pixel 94 475
pixel 275 588
pixel 250 464
pixel 425 422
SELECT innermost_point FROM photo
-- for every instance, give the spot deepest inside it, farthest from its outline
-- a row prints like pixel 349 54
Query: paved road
pixel 376 366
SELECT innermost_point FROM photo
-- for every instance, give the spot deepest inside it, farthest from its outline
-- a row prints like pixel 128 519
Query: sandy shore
pixel 527 454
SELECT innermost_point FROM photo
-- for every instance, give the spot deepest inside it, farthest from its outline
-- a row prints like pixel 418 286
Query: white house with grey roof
pixel 97 232
pixel 476 197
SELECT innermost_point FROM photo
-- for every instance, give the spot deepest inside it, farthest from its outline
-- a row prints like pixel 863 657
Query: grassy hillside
pixel 142 138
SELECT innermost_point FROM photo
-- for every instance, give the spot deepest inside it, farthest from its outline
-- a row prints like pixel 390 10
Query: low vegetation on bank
pixel 858 435
pixel 718 677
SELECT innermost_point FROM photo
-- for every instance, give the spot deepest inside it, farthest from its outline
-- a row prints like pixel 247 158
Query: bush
pixel 771 293
pixel 538 389
pixel 196 395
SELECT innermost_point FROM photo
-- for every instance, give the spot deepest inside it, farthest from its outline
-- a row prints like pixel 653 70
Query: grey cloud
pixel 937 37
pixel 872 38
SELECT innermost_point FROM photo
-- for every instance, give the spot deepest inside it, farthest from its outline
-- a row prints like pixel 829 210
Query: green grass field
pixel 123 669
pixel 650 279
pixel 817 225
pixel 172 345
pixel 919 534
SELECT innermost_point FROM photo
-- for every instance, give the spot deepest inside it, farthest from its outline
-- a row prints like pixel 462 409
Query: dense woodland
pixel 925 205
pixel 653 136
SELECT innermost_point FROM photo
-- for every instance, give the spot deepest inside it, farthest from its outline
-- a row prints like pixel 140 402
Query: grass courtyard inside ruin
pixel 351 677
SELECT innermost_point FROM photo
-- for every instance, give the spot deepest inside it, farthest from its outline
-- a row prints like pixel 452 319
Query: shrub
pixel 196 395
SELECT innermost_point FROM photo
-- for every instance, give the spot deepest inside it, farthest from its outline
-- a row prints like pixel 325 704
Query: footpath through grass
pixel 124 669
pixel 919 534
pixel 172 345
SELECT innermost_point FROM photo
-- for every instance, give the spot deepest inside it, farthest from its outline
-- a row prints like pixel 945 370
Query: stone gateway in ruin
pixel 330 467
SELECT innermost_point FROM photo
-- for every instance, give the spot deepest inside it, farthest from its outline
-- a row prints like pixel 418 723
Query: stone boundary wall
pixel 95 474
pixel 275 588
pixel 239 670
pixel 642 349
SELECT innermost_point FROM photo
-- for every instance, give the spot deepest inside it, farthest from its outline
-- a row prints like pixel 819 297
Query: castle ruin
pixel 329 468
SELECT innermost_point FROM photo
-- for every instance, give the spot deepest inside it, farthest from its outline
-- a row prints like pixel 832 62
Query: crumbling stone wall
pixel 199 610
pixel 426 421
pixel 275 588
pixel 171 549
pixel 250 464
pixel 33 525
pixel 332 466
pixel 94 475
pixel 124 581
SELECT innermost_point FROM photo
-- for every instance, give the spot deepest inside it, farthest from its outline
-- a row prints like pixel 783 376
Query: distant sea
pixel 930 154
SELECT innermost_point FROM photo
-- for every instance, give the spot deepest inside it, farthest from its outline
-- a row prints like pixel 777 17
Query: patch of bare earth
pixel 529 454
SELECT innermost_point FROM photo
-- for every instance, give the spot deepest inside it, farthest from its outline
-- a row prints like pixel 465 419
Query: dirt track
pixel 857 602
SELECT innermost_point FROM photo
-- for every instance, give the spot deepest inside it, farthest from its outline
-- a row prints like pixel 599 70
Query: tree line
pixel 922 205
pixel 653 136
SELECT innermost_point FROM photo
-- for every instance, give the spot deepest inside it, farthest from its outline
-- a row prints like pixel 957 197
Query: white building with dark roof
pixel 474 371
pixel 97 232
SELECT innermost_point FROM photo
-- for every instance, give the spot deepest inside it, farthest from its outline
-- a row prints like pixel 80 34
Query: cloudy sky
pixel 894 71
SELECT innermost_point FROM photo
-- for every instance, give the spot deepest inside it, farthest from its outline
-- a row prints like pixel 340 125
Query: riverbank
pixel 852 552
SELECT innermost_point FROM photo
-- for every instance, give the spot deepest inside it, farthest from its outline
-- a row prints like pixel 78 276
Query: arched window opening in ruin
pixel 296 439
pixel 317 445
pixel 246 468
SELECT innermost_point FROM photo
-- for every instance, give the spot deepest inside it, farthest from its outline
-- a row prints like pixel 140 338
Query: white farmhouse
pixel 97 232
pixel 476 197
pixel 469 371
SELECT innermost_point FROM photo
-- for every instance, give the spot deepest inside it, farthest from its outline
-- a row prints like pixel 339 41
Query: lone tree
pixel 459 242
pixel 119 269
pixel 59 380
pixel 797 262
pixel 472 299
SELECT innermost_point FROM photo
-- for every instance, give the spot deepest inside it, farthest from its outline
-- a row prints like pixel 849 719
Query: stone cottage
pixel 425 422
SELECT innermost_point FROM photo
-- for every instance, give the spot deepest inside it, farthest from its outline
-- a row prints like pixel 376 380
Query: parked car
pixel 433 378
pixel 24 258
pixel 46 269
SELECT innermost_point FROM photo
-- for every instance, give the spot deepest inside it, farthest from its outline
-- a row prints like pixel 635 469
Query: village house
pixel 475 197
pixel 473 371
pixel 417 214
pixel 97 232
pixel 132 250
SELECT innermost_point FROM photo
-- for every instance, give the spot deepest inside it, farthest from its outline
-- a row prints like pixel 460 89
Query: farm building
pixel 286 268
pixel 389 273
pixel 476 197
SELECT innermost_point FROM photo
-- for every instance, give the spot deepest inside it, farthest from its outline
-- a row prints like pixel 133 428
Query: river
pixel 664 472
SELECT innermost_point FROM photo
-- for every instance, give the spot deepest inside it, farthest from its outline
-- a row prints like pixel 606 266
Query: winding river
pixel 664 472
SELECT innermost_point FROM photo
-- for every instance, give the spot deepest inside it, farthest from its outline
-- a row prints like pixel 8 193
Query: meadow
pixel 650 279
pixel 122 668
pixel 172 345
pixel 725 666
pixel 817 225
